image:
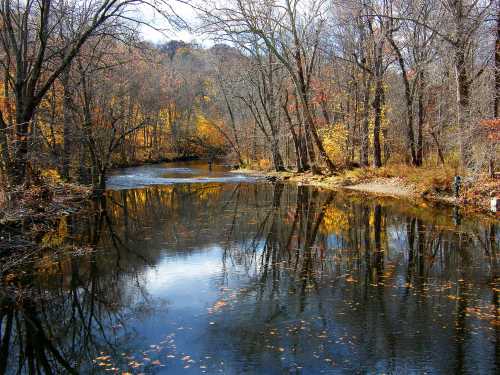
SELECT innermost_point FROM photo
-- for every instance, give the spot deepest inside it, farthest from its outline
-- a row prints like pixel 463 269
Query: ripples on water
pixel 239 276
pixel 166 174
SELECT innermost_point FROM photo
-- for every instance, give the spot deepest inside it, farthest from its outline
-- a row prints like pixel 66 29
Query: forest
pixel 297 187
pixel 319 86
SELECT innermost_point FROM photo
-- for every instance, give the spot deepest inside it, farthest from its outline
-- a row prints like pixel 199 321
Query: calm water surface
pixel 198 271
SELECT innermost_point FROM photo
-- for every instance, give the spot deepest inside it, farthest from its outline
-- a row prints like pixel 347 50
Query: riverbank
pixel 50 196
pixel 30 212
pixel 401 182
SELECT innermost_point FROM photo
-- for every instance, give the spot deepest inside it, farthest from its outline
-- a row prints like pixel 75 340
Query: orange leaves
pixel 217 306
pixel 492 128
pixel 7 104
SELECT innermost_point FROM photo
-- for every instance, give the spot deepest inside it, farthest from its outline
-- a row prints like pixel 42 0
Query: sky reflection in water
pixel 261 279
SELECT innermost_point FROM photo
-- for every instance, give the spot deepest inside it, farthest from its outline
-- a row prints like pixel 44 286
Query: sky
pixel 183 10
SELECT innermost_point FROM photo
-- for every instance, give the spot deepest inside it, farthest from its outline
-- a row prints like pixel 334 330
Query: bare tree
pixel 35 54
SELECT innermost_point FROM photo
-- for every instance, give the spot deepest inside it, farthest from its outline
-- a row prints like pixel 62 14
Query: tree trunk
pixel 67 126
pixel 277 158
pixel 496 102
pixel 23 121
pixel 421 119
pixel 310 126
pixel 463 115
pixel 365 137
pixel 4 145
pixel 409 102
pixel 377 107
pixel 307 154
pixel 311 129
pixel 295 137
pixel 438 146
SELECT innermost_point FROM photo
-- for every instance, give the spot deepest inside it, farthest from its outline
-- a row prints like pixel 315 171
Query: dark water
pixel 218 273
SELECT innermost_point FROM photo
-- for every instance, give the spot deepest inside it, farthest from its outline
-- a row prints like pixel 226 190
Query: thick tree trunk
pixel 463 114
pixel 277 159
pixel 23 121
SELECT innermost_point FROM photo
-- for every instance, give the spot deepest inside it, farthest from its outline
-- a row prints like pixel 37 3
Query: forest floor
pixel 432 185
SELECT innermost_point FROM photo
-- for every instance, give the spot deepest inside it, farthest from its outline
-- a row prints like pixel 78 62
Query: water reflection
pixel 257 278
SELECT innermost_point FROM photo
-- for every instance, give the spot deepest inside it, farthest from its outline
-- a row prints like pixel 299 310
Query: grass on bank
pixel 429 182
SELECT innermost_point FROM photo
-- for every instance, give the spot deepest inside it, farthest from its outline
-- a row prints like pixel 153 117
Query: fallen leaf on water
pixel 217 306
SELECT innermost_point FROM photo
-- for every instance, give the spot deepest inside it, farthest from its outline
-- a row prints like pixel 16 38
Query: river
pixel 186 270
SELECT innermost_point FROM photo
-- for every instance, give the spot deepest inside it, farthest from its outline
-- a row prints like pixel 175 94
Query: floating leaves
pixel 217 306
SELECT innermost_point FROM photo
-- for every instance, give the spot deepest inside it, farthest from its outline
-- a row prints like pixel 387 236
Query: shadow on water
pixel 256 278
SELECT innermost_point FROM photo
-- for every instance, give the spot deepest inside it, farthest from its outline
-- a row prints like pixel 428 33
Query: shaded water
pixel 219 273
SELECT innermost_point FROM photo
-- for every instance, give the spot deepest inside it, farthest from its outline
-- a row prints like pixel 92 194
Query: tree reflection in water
pixel 306 281
pixel 62 319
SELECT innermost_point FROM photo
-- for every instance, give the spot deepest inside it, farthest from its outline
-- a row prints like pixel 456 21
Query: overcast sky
pixel 182 10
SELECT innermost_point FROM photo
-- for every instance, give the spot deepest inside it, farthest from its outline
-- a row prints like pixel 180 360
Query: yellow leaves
pixel 56 237
pixel 334 221
pixel 335 141
pixel 207 130
pixel 51 175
